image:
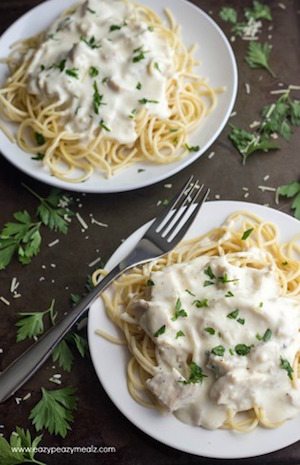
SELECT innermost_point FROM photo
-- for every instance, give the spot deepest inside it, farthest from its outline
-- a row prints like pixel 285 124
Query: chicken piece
pixel 170 392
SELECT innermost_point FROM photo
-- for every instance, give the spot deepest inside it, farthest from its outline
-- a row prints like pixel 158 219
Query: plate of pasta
pixel 204 342
pixel 107 96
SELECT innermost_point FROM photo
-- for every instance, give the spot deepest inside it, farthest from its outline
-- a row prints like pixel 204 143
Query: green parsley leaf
pixel 179 334
pixel 63 356
pixel 292 190
pixel 80 343
pixel 93 71
pixel 189 292
pixel 139 86
pixel 208 271
pixel 97 99
pixel 91 11
pixel 277 117
pixel 19 439
pixel 200 303
pixel 160 331
pixel 179 312
pixel 285 365
pixel 242 349
pixel 190 148
pixel 228 14
pixel 258 56
pixel 32 323
pixel 139 54
pixel 224 279
pixel 247 142
pixel 143 101
pixel 115 27
pixel 51 213
pixel 241 321
pixel 196 374
pixel 61 65
pixel 156 66
pixel 39 156
pixel 150 283
pixel 40 139
pixel 266 337
pixel 90 42
pixel 231 351
pixel 104 126
pixel 258 11
pixel 210 330
pixel 218 350
pixel 54 411
pixel 73 72
pixel 22 237
pixel 208 283
pixel 229 294
pixel 247 233
pixel 233 315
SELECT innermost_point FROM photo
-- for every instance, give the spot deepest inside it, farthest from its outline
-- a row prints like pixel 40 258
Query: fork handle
pixel 21 369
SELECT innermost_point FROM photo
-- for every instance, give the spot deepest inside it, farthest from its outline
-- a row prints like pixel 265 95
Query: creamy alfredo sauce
pixel 231 322
pixel 103 63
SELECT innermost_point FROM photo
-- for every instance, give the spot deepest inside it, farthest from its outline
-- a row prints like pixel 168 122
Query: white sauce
pixel 236 382
pixel 124 59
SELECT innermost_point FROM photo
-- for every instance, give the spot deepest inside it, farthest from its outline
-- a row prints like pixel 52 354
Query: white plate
pixel 110 362
pixel 218 64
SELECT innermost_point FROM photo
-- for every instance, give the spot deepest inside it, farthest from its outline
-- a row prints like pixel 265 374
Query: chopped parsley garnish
pixel 40 139
pixel 247 233
pixel 242 349
pixel 266 337
pixel 218 350
pixel 196 374
pixel 190 292
pixel 209 330
pixel 179 334
pixel 143 101
pixel 261 304
pixel 229 294
pixel 103 126
pixel 150 28
pixel 285 365
pixel 156 66
pixel 208 271
pixel 224 279
pixel 160 331
pixel 208 283
pixel 132 114
pixel 42 67
pixel 231 351
pixel 179 311
pixel 93 71
pixel 90 42
pixel 241 321
pixel 115 27
pixel 150 283
pixel 190 148
pixel 200 303
pixel 61 65
pixel 233 315
pixel 247 142
pixel 139 86
pixel 139 54
pixel 39 156
pixel 258 11
pixel 97 99
pixel 91 11
pixel 73 72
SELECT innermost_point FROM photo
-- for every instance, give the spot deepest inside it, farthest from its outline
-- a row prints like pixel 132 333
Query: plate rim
pixel 47 178
pixel 234 206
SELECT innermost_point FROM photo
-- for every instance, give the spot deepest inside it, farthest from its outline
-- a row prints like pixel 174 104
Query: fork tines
pixel 177 218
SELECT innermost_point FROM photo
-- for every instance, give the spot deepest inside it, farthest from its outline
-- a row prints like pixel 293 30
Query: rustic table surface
pixel 97 421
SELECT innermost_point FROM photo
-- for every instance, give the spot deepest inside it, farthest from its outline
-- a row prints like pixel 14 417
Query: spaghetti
pixel 230 242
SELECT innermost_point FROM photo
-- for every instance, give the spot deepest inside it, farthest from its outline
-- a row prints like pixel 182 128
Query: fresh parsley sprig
pixel 11 453
pixel 32 323
pixel 196 374
pixel 248 142
pixel 292 190
pixel 54 411
pixel 258 56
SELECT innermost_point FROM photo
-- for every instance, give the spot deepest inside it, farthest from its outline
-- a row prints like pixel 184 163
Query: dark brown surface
pixel 97 421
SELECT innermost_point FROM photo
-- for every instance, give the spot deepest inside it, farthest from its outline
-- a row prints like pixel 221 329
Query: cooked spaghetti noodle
pixel 251 245
pixel 46 125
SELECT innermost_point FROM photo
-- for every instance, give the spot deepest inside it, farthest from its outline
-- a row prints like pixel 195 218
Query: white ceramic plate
pixel 110 362
pixel 218 64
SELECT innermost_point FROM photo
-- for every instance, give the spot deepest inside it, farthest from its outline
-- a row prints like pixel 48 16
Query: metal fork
pixel 160 238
